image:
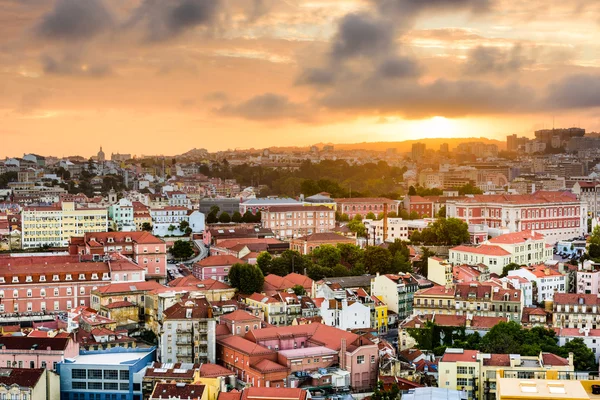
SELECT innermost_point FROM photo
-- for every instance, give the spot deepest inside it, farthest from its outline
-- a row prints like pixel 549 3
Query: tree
pixel 413 215
pixel 357 227
pixel 182 249
pixel 147 226
pixel 326 256
pixel 248 216
pixel 263 261
pixel 421 265
pixel 415 237
pixel 450 231
pixel 211 218
pixel 412 191
pixel 340 270
pixel 224 218
pixel 509 267
pixel 246 278
pixel 299 290
pixel 358 217
pixel 583 357
pixel 377 259
pixel 183 225
pixel 370 215
pixel 442 212
pixel 399 246
pixel 503 338
pixel 350 254
pixel 400 263
pixel 236 217
pixel 171 228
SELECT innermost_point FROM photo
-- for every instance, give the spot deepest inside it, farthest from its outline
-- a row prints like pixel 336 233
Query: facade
pixel 345 315
pixel 121 216
pixel 580 311
pixel 362 206
pixel 396 291
pixel 546 281
pixel 556 215
pixel 168 217
pixel 105 375
pixel 306 244
pixel 29 384
pixel 439 271
pixel 588 278
pixel 289 222
pixel 143 248
pixel 34 352
pixel 493 257
pixel 395 228
pixel 188 333
pixel 54 225
pixel 274 309
pixel 215 267
pixel 264 204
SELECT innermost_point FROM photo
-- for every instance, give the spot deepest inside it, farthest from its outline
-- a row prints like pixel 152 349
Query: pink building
pixel 365 205
pixel 288 222
pixel 215 267
pixel 143 248
pixel 36 352
pixel 588 279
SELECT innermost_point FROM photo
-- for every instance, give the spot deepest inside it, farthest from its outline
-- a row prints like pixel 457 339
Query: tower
pixel 101 155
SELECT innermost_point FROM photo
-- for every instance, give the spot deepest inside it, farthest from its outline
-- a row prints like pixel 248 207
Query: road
pixel 202 251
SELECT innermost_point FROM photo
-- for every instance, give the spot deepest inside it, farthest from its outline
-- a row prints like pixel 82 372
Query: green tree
pixel 583 357
pixel 400 263
pixel 211 218
pixel 263 261
pixel 299 290
pixel 412 191
pixel 344 218
pixel 503 338
pixel 358 217
pixel 413 215
pixel 509 267
pixel 246 278
pixel 340 270
pixel 377 259
pixel 421 265
pixel 236 217
pixel 182 249
pixel 224 218
pixel 183 225
pixel 370 215
pixel 326 256
pixel 248 217
pixel 171 228
pixel 350 254
pixel 442 212
pixel 415 237
pixel 147 226
pixel 399 246
pixel 357 227
pixel 450 231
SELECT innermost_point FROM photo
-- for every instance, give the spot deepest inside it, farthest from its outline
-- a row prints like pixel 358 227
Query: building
pixel 556 215
pixel 288 222
pixel 306 244
pixel 554 387
pixel 188 333
pixel 215 267
pixel 275 283
pixel 546 281
pixel 345 315
pixel 105 375
pixel 472 299
pixel 29 384
pixel 396 291
pixel 580 311
pixel 362 206
pixel 36 352
pixel 588 191
pixel 54 225
pixel 387 229
pixel 439 271
pixel 418 151
pixel 143 248
pixel 121 216
pixel 523 248
pixel 274 308
pixel 264 204
pixel 588 278
pixel 166 220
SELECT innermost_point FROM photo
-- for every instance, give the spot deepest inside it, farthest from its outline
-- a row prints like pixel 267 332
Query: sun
pixel 435 127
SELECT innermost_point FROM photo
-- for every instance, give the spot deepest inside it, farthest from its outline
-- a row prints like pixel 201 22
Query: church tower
pixel 101 156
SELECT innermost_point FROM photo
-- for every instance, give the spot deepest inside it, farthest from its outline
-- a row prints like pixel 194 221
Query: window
pixel 79 385
pixel 372 359
pixel 359 359
pixel 111 374
pixel 56 291
pixel 15 293
pixel 82 277
pixel 55 278
pixel 29 293
pixel 95 386
pixel 95 374
pixel 111 385
pixel 78 374
pixel 124 375
pixel 461 370
pixel 42 292
pixel 42 278
pixel 69 291
pixel 69 277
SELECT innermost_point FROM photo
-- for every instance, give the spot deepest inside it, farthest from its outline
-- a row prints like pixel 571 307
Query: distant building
pixel 29 384
pixel 101 156
pixel 288 222
pixel 364 205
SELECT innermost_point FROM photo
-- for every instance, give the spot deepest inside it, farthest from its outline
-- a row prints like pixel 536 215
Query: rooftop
pixel 111 358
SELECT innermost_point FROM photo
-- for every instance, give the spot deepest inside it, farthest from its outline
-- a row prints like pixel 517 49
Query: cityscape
pixel 299 199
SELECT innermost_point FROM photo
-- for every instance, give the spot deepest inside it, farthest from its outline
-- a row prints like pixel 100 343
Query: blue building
pixel 113 374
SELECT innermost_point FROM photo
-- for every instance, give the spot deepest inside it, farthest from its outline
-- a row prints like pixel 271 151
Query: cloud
pixel 407 10
pixel 264 107
pixel 32 101
pixel 71 64
pixel 399 67
pixel 442 97
pixel 362 34
pixel 164 20
pixel 74 20
pixel 574 91
pixel 216 96
pixel 316 76
pixel 485 59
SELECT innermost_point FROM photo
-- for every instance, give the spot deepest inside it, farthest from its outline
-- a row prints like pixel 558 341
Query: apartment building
pixel 556 215
pixel 54 225
pixel 345 315
pixel 397 291
pixel 187 334
pixel 572 310
pixel 274 309
pixel 34 352
pixel 143 248
pixel 306 244
pixel 364 205
pixel 546 281
pixel 289 222
pixel 121 216
pixel 389 230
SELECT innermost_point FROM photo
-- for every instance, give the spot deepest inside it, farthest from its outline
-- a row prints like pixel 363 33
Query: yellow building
pixel 54 225
pixel 380 316
pixel 435 300
pixel 273 309
pixel 439 271
pixel 545 389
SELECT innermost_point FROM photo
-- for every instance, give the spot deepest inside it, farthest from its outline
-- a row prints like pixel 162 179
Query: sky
pixel 163 77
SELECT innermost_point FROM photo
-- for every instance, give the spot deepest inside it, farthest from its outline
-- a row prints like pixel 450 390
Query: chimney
pixel 343 354
pixel 570 358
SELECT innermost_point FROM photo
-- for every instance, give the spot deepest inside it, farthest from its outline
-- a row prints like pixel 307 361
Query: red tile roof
pixel 219 260
pixel 244 345
pixel 273 393
pixel 23 377
pixel 575 299
pixel 266 366
pixel 238 315
pixel 175 390
pixel 129 287
pixel 213 371
pixel 484 249
pixel 120 304
pixel 497 360
pixel 553 359
pixel 464 356
pixel 517 237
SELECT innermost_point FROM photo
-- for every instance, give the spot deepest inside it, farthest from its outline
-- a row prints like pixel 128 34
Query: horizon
pixel 146 77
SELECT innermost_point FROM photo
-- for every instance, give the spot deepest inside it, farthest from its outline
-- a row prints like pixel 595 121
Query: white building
pixel 591 338
pixel 164 218
pixel 524 285
pixel 547 281
pixel 397 228
pixel 345 314
pixel 121 215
